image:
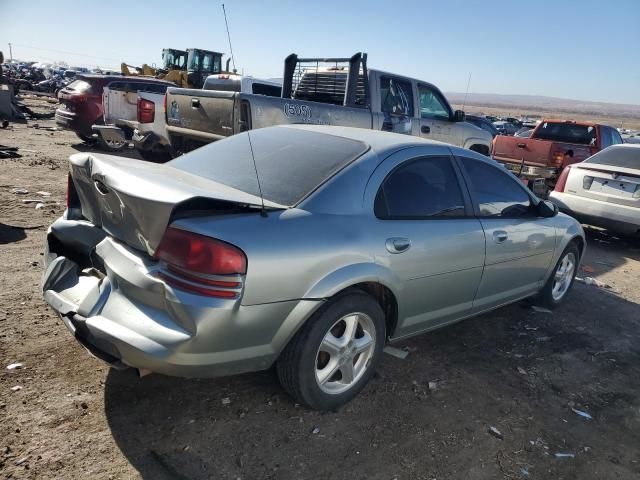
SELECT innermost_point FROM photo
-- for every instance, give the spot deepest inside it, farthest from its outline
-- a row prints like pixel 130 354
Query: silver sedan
pixel 305 246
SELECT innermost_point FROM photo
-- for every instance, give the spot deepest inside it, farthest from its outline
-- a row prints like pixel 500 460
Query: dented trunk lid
pixel 134 201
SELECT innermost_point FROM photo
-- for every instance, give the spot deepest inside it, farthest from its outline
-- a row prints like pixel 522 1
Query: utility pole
pixel 10 53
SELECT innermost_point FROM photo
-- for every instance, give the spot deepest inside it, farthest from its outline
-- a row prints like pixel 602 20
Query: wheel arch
pixel 372 279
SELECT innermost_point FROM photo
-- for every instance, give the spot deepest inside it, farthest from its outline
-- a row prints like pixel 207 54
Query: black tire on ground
pixel 157 156
pixel 297 364
pixel 546 296
pixel 85 138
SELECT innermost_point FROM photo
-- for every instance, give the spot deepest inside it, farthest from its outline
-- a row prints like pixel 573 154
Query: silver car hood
pixel 133 200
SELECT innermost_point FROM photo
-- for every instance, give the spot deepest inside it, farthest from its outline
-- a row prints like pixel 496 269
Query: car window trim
pixel 466 199
pixel 475 204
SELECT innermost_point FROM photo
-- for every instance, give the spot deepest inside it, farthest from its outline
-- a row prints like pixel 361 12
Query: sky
pixel 584 50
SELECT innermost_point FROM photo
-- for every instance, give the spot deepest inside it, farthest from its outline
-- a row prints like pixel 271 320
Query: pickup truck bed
pixel 203 116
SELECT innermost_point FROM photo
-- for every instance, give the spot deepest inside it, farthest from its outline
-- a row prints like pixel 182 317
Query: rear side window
pixel 420 189
pixel 497 193
pixel 291 163
pixel 264 89
pixel 396 96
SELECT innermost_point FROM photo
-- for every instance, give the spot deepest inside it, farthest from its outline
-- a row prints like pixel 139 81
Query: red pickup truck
pixel 553 145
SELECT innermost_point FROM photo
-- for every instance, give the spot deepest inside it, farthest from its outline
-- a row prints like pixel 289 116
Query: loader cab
pixel 173 59
pixel 201 64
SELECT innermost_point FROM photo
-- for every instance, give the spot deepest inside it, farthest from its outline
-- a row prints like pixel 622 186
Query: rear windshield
pixel 567 132
pixel 624 157
pixel 291 163
pixel 79 86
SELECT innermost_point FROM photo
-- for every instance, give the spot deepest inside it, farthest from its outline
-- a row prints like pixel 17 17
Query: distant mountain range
pixel 545 104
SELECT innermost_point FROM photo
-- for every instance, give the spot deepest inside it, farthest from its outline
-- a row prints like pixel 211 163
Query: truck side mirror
pixel 459 116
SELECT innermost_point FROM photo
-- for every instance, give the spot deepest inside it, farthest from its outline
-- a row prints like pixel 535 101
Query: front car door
pixel 427 235
pixel 519 244
pixel 436 117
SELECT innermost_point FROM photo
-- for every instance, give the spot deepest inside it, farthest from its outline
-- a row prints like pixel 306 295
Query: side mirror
pixel 459 116
pixel 547 209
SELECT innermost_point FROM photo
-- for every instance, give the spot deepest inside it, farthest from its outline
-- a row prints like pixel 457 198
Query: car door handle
pixel 398 245
pixel 425 129
pixel 500 236
pixel 195 103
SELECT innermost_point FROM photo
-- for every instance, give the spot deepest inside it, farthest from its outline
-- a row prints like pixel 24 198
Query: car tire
pixel 325 381
pixel 561 279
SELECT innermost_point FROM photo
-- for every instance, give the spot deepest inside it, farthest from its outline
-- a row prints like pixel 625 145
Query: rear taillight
pixel 192 258
pixel 587 181
pixel 562 180
pixel 164 104
pixel 146 111
pixel 557 158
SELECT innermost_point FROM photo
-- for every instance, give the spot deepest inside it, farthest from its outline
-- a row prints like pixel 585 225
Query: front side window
pixel 396 96
pixel 497 193
pixel 432 105
pixel 420 189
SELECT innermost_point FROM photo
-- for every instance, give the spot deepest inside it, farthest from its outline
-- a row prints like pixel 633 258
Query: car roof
pixel 381 142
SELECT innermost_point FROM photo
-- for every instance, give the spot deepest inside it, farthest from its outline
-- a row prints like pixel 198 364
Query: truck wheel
pixel 86 138
pixel 562 278
pixel 333 356
pixel 109 145
pixel 481 149
pixel 157 156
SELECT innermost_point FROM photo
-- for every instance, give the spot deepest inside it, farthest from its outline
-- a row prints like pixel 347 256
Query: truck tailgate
pixel 535 152
pixel 201 114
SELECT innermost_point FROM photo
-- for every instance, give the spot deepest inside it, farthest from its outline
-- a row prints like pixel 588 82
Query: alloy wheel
pixel 345 353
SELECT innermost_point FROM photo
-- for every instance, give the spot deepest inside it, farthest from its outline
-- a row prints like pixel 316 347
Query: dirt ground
pixel 425 417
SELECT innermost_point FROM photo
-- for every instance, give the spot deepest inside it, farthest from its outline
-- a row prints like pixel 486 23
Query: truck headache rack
pixel 338 81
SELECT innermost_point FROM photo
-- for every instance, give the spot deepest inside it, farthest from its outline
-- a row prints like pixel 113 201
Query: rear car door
pixel 397 107
pixel 425 232
pixel 519 244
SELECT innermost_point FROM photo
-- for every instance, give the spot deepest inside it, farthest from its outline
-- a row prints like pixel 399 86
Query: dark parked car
pixel 81 101
pixel 482 123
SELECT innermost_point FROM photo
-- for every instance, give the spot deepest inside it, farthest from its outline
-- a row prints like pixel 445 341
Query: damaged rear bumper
pixel 110 298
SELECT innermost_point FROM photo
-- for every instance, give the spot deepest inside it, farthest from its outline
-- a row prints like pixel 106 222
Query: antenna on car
pixel 229 37
pixel 263 211
pixel 464 102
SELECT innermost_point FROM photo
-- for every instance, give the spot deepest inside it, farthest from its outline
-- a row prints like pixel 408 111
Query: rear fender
pixel 332 284
pixel 350 275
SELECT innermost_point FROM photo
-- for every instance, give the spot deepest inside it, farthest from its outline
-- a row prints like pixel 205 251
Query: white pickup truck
pixel 325 91
pixel 139 116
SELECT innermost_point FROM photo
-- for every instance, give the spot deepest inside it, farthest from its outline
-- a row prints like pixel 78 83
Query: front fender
pixel 567 230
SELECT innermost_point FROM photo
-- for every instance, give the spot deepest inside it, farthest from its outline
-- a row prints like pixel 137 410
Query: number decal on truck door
pixel 294 110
